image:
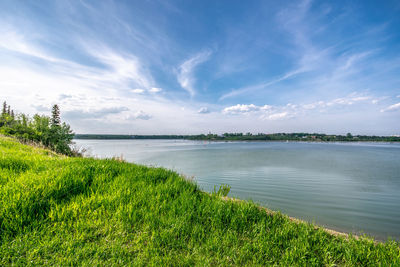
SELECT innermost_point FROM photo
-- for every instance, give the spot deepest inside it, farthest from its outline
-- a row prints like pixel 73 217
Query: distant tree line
pixel 48 131
pixel 124 136
pixel 307 137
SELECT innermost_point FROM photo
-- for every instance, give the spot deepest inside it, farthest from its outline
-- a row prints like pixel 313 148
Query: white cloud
pixel 155 90
pixel 137 91
pixel 152 90
pixel 350 100
pixel 393 107
pixel 319 104
pixel 291 106
pixel 265 112
pixel 203 110
pixel 276 116
pixel 243 109
pixel 360 98
pixel 290 110
pixel 140 115
pixel 240 109
pixel 93 113
pixel 186 69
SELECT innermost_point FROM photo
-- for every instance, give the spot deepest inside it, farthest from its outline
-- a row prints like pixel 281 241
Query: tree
pixel 41 126
pixel 9 110
pixel 64 139
pixel 55 116
pixel 60 135
pixel 4 108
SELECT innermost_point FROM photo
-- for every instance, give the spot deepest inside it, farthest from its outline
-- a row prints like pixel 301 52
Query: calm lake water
pixel 351 187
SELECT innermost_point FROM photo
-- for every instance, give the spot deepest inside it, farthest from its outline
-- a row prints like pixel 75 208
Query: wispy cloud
pixel 137 91
pixel 342 66
pixel 290 110
pixel 244 109
pixel 265 112
pixel 93 114
pixel 186 70
pixel 122 68
pixel 59 78
pixel 203 110
pixel 290 20
pixel 140 115
pixel 348 100
pixel 252 88
pixel 353 59
pixel 152 90
pixel 393 107
pixel 12 40
pixel 155 90
pixel 276 116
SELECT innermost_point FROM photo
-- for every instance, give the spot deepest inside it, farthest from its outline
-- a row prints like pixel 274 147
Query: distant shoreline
pixel 282 137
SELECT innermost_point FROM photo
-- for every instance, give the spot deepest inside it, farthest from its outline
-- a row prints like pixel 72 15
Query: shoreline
pixel 298 221
pixel 285 137
pixel 245 141
pixel 337 233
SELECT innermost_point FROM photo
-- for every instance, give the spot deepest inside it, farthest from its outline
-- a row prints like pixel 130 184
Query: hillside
pixel 82 211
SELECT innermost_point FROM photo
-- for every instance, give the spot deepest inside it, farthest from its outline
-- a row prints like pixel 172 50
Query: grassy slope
pixel 58 210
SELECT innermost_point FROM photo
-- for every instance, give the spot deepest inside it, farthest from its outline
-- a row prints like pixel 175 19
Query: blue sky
pixel 188 67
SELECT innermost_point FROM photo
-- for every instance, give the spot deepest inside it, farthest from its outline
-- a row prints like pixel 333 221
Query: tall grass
pixel 56 210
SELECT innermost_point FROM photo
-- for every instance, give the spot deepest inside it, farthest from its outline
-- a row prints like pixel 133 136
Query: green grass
pixel 56 210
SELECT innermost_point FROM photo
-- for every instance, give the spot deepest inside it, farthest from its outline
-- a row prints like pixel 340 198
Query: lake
pixel 349 187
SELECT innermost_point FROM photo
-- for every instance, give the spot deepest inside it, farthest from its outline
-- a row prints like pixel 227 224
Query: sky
pixel 191 67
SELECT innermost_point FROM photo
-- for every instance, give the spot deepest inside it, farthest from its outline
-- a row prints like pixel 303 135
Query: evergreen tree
pixel 4 108
pixel 12 114
pixel 9 110
pixel 55 116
